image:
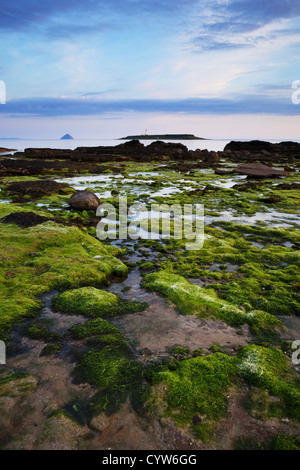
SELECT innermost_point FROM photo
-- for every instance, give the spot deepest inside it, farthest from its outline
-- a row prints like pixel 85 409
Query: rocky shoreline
pixel 140 343
pixel 34 161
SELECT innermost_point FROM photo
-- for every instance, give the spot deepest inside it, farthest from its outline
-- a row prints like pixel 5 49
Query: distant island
pixel 162 137
pixel 67 137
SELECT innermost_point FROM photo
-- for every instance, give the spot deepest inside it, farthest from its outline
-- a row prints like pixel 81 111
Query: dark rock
pixel 288 186
pixel 246 186
pixel 37 165
pixel 210 187
pixel 220 171
pixel 258 170
pixel 252 146
pixel 24 219
pixel 84 201
pixel 196 420
pixel 272 199
pixel 36 189
pixel 136 144
pixel 257 150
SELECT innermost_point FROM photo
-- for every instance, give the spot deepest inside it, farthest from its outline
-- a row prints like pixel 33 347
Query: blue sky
pixel 101 68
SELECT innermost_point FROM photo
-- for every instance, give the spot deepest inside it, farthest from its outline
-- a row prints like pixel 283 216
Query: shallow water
pixel 160 326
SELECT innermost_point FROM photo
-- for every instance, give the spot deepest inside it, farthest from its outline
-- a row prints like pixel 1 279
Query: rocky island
pixel 162 137
pixel 67 137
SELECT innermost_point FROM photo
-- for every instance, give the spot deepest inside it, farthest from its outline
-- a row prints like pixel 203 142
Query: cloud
pixel 31 13
pixel 249 104
pixel 239 24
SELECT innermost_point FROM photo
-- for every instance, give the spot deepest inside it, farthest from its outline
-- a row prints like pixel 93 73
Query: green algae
pixel 261 281
pixel 193 299
pixel 6 209
pixel 95 327
pixel 269 369
pixel 263 278
pixel 114 372
pixel 283 442
pixel 278 442
pixel 194 394
pixel 49 256
pixel 39 329
pixel 93 302
pixel 51 349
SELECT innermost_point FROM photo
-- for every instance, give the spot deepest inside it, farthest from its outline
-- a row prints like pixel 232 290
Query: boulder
pixel 259 170
pixel 84 201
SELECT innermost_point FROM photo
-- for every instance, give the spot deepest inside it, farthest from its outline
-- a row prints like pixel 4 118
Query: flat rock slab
pixel 258 170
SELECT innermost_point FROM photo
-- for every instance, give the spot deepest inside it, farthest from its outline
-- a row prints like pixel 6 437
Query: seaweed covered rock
pixel 64 258
pixel 93 302
pixel 24 219
pixel 84 201
pixel 36 189
pixel 192 299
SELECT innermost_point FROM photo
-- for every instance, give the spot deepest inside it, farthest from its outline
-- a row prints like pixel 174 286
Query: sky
pixel 222 69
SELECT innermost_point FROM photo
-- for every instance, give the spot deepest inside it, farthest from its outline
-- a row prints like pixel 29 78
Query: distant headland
pixel 162 137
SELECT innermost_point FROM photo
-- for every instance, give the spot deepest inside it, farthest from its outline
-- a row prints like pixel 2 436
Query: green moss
pixel 114 373
pixel 263 279
pixel 192 299
pixel 38 329
pixel 64 257
pixel 195 392
pixel 109 366
pixel 216 348
pixel 147 266
pixel 6 378
pixel 93 328
pixel 51 349
pixel 283 442
pixel 249 444
pixel 268 368
pixel 114 340
pixel 180 351
pixel 93 302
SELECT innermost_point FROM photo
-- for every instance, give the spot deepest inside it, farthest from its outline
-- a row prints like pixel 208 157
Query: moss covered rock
pixel 93 302
pixel 268 368
pixel 192 299
pixel 64 257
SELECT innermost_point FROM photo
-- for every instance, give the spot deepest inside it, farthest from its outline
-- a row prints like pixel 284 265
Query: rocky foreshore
pixel 139 342
pixel 38 161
